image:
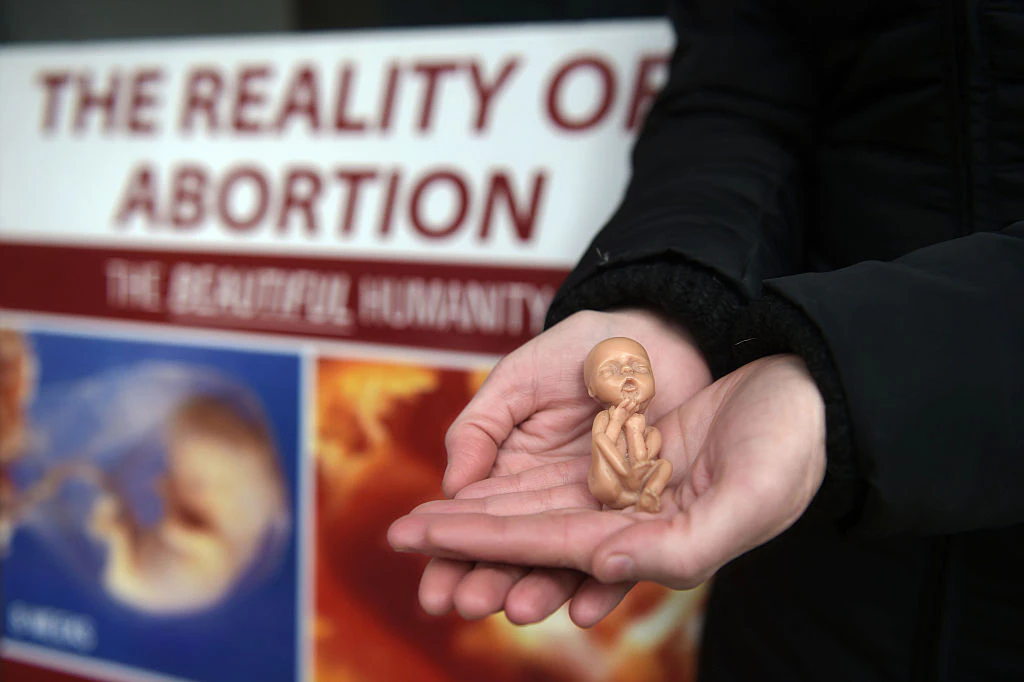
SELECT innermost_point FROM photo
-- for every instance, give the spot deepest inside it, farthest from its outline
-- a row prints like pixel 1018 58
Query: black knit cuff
pixel 701 301
pixel 775 325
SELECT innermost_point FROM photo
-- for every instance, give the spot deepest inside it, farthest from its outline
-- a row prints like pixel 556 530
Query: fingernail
pixel 618 568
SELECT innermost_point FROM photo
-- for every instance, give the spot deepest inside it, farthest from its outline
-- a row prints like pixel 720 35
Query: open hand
pixel 748 454
pixel 529 425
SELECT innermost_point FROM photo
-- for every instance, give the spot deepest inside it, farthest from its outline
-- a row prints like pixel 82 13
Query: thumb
pixel 472 449
pixel 506 398
pixel 683 551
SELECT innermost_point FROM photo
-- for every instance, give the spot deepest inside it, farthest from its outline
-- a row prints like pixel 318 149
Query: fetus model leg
pixel 609 469
pixel 648 475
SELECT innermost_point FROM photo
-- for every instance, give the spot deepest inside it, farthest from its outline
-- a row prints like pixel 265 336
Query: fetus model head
pixel 617 369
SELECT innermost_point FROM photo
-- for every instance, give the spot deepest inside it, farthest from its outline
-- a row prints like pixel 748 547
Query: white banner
pixel 496 145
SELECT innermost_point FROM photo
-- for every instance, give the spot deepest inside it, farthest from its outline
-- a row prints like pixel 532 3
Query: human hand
pixel 530 424
pixel 748 455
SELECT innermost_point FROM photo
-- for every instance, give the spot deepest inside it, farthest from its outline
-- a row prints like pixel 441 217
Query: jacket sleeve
pixel 714 205
pixel 925 356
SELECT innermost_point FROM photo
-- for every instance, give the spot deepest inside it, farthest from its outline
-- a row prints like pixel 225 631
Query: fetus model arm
pixel 624 466
pixel 606 435
pixel 636 438
pixel 608 467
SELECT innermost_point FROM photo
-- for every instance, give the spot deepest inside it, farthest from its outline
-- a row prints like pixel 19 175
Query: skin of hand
pixel 530 425
pixel 748 454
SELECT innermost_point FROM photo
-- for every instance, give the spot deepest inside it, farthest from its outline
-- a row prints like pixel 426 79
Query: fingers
pixel 538 478
pixel 483 590
pixel 472 443
pixel 685 550
pixel 527 596
pixel 575 496
pixel 594 600
pixel 506 398
pixel 518 391
pixel 474 590
pixel 440 579
pixel 557 539
pixel 656 551
pixel 541 593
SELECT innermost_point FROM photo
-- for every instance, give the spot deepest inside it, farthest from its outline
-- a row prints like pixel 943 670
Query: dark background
pixel 70 20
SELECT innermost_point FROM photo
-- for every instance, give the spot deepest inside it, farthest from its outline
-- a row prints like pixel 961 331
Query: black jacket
pixel 841 180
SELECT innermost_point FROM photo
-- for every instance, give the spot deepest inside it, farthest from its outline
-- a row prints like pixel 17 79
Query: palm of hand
pixel 559 430
pixel 534 411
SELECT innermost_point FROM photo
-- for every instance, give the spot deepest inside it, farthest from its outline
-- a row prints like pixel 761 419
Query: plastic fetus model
pixel 624 469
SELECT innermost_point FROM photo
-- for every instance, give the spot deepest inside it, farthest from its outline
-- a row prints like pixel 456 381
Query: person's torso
pixel 921 130
pixel 813 605
pixel 920 139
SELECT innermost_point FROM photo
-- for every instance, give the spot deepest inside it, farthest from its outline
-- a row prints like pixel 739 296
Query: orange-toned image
pixel 17 384
pixel 380 451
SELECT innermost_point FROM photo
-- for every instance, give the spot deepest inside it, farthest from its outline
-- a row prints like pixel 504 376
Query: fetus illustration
pixel 625 469
pixel 221 492
pixel 159 480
